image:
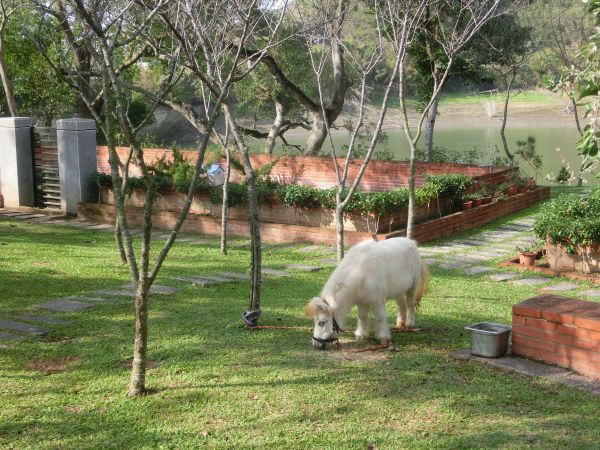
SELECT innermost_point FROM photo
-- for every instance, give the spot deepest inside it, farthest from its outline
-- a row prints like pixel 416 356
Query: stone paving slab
pixel 532 368
pixel 531 281
pixel 154 289
pixel 235 276
pixel 504 276
pixel 43 319
pixel 453 265
pixel 64 305
pixel 84 299
pixel 430 261
pixel 468 258
pixel 11 336
pixel 101 227
pixel 563 286
pixel 25 217
pixel 23 327
pixel 204 281
pixel 330 261
pixel 591 293
pixel 274 272
pixel 310 249
pixel 476 270
pixel 304 267
pixel 114 293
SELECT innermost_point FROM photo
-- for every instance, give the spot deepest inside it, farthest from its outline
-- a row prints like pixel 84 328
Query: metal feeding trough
pixel 489 340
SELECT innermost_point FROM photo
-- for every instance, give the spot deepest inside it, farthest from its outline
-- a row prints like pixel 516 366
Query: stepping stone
pixel 453 265
pixel 75 298
pixel 532 281
pixel 25 217
pixel 24 327
pixel 331 261
pixel 563 286
pixel 154 289
pixel 274 272
pixel 430 261
pixel 204 281
pixel 591 293
pixel 10 336
pixel 469 242
pixel 64 305
pixel 504 276
pixel 476 270
pixel 102 227
pixel 113 293
pixel 43 319
pixel 309 249
pixel 304 268
pixel 235 276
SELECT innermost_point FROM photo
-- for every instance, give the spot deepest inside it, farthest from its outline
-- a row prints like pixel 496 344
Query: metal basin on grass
pixel 489 340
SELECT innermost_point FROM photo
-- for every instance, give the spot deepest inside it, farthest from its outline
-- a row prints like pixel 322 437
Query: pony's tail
pixel 422 284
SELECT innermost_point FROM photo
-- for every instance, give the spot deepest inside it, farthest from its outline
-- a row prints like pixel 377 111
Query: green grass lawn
pixel 218 385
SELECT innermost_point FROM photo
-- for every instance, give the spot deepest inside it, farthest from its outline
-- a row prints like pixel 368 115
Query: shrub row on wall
pixel 177 175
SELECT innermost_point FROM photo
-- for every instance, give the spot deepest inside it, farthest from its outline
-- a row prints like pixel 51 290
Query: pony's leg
pixel 401 316
pixel 381 324
pixel 411 300
pixel 362 328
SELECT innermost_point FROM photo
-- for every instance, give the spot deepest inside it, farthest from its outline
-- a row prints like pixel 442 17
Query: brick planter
pixel 282 232
pixel 559 260
pixel 559 330
pixel 274 211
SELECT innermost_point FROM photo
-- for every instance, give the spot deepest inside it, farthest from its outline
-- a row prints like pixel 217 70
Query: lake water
pixel 487 142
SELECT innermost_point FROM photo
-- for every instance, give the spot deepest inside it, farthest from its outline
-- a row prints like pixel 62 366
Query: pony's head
pixel 326 327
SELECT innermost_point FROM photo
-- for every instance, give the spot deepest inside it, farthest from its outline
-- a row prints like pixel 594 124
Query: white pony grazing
pixel 370 274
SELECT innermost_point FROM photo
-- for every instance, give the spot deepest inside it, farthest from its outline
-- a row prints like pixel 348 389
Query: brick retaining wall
pixel 475 217
pixel 559 330
pixel 318 171
pixel 277 232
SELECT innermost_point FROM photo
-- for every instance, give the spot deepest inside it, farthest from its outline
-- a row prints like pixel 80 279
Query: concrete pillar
pixel 76 141
pixel 16 165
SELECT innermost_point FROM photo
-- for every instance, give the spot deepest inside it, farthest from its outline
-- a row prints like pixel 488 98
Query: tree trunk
pixel 411 191
pixel 576 117
pixel 119 242
pixel 274 132
pixel 339 226
pixel 137 384
pixel 429 126
pixel 505 116
pixel 7 83
pixel 225 206
pixel 317 136
pixel 256 254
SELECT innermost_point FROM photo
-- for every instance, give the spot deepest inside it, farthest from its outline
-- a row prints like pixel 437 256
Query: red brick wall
pixel 559 330
pixel 278 232
pixel 318 171
pixel 472 218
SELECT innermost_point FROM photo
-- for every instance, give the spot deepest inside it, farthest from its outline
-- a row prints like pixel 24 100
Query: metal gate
pixel 45 168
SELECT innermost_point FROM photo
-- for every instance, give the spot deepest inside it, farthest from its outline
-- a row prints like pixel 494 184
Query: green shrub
pixel 450 186
pixel 571 221
pixel 298 196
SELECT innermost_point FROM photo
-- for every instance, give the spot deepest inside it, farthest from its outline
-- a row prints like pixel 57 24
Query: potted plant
pixel 466 204
pixel 487 192
pixel 475 197
pixel 527 255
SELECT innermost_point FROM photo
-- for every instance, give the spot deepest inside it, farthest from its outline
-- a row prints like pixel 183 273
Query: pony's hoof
pixel 385 341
